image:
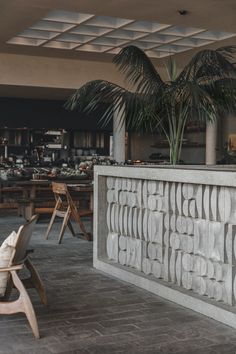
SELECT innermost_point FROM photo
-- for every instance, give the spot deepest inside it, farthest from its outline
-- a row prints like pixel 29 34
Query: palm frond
pixel 224 93
pixel 228 52
pixel 202 91
pixel 138 70
pixel 199 103
pixel 131 106
pixel 90 96
pixel 208 65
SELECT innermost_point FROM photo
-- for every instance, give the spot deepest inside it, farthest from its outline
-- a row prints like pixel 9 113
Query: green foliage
pixel 203 90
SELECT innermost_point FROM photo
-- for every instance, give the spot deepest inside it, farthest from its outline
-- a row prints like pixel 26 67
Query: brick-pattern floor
pixel 90 312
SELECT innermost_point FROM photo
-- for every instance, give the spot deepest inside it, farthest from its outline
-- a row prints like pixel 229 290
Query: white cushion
pixel 7 251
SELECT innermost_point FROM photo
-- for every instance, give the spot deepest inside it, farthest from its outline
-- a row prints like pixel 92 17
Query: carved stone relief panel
pixel 181 233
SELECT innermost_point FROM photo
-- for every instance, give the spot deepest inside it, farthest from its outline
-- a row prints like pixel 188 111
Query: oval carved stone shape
pixel 146 266
pixel 188 262
pixel 187 280
pixel 110 182
pixel 152 250
pixel 157 269
pixel 123 257
pixel 152 187
pixel 123 243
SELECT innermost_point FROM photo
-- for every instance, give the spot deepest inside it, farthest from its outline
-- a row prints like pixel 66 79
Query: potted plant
pixel 203 90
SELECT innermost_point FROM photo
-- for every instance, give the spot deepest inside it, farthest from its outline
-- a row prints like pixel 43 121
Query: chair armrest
pixel 8 269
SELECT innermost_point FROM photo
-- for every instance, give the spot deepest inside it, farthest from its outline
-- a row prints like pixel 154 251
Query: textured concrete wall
pixel 171 231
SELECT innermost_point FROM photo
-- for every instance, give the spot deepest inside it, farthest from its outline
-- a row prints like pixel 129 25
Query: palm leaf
pixel 202 91
pixel 131 106
pixel 224 93
pixel 208 65
pixel 138 70
pixel 228 52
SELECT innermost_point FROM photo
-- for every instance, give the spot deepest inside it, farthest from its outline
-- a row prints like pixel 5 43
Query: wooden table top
pixel 47 182
pixel 75 185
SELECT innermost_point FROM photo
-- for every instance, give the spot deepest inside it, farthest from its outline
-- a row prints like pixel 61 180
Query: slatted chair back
pixel 59 188
pixel 25 233
pixel 62 195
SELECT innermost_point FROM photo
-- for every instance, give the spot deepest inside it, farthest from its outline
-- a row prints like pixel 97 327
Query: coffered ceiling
pixel 96 30
pixel 84 32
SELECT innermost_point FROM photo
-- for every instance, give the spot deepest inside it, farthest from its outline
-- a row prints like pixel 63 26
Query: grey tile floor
pixel 90 312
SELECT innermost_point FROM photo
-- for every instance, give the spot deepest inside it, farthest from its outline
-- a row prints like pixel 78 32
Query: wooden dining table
pixel 37 196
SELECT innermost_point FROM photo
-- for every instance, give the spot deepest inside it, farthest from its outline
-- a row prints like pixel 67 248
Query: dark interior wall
pixel 20 112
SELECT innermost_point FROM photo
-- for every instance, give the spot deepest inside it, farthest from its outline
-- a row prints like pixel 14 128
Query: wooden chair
pixel 20 260
pixel 65 208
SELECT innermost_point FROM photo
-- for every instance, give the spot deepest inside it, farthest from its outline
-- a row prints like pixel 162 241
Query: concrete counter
pixel 170 231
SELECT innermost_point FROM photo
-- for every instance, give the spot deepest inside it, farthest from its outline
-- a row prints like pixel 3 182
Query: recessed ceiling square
pixel 67 16
pixel 60 45
pixel 26 41
pixel 52 26
pixel 159 38
pixel 90 30
pixel 171 48
pixel 215 35
pixel 94 48
pixel 31 33
pixel 106 21
pixel 193 42
pixel 76 38
pixel 113 42
pixel 181 31
pixel 145 26
pixel 144 45
pixel 124 34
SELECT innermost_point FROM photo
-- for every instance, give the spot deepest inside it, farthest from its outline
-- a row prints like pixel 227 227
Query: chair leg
pixel 71 228
pixel 64 224
pixel 82 227
pixel 35 281
pixel 57 206
pixel 50 224
pixel 22 304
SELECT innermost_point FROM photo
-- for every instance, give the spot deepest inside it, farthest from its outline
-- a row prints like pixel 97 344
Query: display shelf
pixel 16 145
pixel 54 144
pixel 185 145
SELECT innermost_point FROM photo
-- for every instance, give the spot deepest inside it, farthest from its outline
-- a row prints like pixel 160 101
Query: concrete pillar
pixel 211 142
pixel 118 136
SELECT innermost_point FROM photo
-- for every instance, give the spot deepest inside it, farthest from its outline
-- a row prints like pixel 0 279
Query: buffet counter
pixel 170 231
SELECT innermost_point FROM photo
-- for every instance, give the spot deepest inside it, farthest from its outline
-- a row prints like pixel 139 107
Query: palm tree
pixel 203 91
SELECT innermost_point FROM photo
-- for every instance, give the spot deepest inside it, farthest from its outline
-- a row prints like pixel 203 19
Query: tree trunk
pixel 175 151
